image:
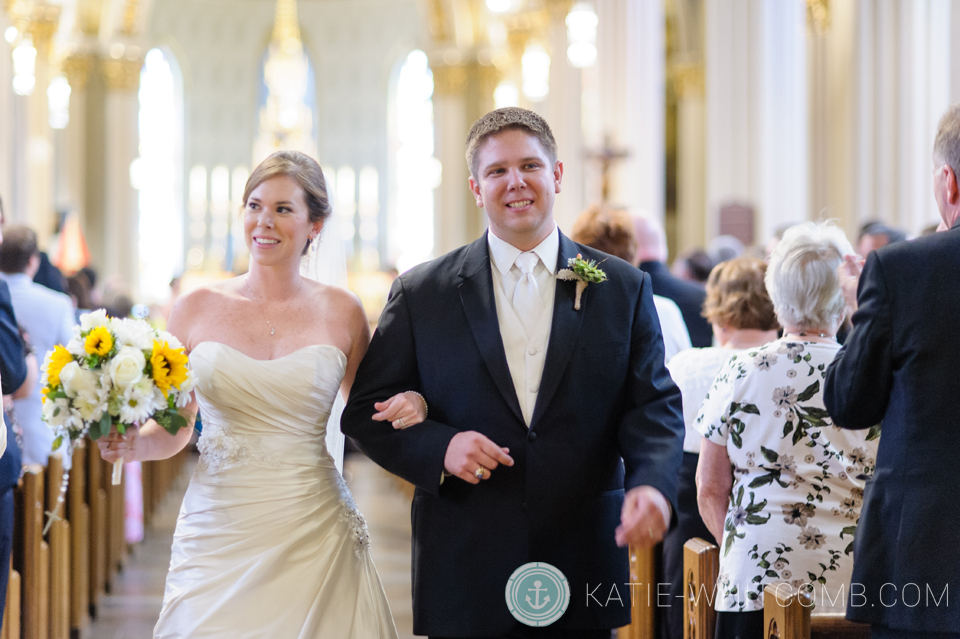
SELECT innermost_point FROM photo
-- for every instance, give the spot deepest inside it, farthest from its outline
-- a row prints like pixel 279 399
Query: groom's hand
pixel 469 451
pixel 644 519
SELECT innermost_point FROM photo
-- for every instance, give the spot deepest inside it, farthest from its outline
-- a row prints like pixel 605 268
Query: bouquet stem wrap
pixel 117 472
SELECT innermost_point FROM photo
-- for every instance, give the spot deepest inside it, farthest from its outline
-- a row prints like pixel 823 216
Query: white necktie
pixel 526 296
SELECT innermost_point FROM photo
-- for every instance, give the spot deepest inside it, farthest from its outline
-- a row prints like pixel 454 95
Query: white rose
pixel 126 368
pixel 89 321
pixel 136 333
pixel 75 379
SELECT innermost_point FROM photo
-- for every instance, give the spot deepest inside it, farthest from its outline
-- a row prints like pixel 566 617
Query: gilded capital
pixel 688 80
pixel 818 16
pixel 122 74
pixel 77 69
pixel 40 23
pixel 128 23
pixel 449 79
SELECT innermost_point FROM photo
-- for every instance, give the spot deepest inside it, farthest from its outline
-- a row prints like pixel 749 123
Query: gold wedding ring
pixel 400 423
pixel 479 472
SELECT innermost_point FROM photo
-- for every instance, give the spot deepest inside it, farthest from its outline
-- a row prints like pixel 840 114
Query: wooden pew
pixel 31 553
pixel 58 539
pixel 97 500
pixel 788 614
pixel 701 567
pixel 10 625
pixel 643 595
pixel 78 512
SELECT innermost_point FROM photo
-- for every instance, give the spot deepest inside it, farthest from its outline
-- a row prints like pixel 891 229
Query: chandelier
pixel 286 115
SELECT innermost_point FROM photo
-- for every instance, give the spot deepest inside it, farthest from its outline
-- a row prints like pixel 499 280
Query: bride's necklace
pixel 273 329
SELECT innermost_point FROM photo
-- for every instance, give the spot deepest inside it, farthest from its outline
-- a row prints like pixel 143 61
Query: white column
pixel 906 68
pixel 121 221
pixel 450 130
pixel 8 124
pixel 77 69
pixel 757 110
pixel 40 214
pixel 561 108
pixel 630 60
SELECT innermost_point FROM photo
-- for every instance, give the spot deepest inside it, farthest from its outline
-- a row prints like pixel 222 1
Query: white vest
pixel 525 354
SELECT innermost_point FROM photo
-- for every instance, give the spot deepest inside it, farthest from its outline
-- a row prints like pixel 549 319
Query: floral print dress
pixel 797 479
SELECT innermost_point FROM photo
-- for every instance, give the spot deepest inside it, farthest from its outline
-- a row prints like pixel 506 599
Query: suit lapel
pixel 563 334
pixel 476 295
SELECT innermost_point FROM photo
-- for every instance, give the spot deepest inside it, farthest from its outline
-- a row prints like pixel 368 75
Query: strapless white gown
pixel 269 542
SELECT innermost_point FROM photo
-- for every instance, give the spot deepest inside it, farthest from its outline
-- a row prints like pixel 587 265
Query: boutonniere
pixel 583 272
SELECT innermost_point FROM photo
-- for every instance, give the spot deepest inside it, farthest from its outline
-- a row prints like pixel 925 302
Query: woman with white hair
pixel 777 483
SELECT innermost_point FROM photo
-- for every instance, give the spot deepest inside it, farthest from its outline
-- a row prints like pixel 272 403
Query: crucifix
pixel 607 156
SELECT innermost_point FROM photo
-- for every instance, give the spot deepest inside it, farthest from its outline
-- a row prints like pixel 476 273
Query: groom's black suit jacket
pixel 604 394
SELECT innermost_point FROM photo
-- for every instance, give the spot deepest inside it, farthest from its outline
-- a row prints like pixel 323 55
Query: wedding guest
pixel 779 485
pixel 46 274
pixel 609 230
pixel 874 235
pixel 899 366
pixel 693 266
pixel 48 318
pixel 651 257
pixel 18 372
pixel 741 314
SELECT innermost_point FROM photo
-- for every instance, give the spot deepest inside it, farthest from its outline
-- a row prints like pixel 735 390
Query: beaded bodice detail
pixel 265 412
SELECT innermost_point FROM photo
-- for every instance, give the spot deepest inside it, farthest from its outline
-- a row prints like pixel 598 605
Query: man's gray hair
pixel 802 276
pixel 946 146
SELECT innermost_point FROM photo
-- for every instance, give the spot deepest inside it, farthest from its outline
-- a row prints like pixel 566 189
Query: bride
pixel 269 542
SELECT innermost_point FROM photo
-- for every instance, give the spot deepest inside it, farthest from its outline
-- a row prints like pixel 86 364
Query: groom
pixel 532 406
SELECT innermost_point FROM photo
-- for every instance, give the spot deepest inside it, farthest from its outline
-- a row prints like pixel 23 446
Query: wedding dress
pixel 269 542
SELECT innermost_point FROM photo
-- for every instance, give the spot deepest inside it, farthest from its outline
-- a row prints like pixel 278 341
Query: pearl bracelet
pixel 426 409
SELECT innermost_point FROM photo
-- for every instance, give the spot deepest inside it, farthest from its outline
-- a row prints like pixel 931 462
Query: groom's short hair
pixel 506 119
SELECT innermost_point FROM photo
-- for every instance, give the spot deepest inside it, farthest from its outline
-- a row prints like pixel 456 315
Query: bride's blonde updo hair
pixel 305 171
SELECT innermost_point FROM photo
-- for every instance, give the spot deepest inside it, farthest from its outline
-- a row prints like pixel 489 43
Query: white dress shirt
pixel 676 338
pixel 525 353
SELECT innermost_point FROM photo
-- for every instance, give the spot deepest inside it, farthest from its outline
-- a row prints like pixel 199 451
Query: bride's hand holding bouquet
pixel 110 379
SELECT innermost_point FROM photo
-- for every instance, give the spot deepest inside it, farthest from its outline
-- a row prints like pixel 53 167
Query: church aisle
pixel 133 607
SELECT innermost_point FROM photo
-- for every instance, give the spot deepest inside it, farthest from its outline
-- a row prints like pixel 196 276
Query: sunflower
pixel 99 342
pixel 169 366
pixel 56 360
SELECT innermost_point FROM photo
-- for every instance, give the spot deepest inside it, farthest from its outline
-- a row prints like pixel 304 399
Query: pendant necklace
pixel 273 328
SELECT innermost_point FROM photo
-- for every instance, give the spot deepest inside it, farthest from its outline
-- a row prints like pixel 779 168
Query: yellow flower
pixel 169 366
pixel 98 342
pixel 56 360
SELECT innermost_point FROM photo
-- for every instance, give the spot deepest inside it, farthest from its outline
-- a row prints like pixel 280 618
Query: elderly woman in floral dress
pixel 777 483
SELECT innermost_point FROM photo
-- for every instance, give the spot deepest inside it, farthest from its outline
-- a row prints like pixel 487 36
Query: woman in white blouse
pixel 742 316
pixel 778 484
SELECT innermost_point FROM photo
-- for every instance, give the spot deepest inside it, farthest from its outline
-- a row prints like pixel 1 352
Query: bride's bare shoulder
pixel 191 308
pixel 335 298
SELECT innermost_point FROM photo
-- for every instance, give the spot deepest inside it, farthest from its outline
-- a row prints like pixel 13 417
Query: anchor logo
pixel 537 590
pixel 541 603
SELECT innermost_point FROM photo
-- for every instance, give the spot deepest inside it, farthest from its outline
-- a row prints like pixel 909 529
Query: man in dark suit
pixel 900 366
pixel 532 404
pixel 651 259
pixel 13 375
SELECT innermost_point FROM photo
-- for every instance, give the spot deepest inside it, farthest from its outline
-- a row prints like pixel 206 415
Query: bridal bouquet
pixel 114 373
